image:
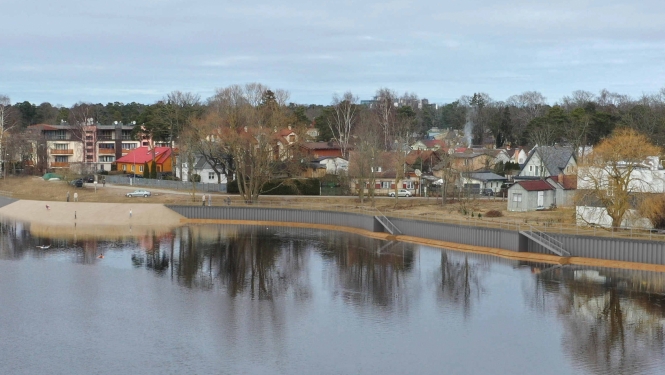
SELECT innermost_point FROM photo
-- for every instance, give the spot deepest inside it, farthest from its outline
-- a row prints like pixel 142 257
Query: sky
pixel 68 51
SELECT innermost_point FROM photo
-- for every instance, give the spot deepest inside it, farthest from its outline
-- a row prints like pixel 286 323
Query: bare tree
pixel 365 161
pixel 343 119
pixel 247 117
pixel 384 108
pixel 82 119
pixel 4 122
pixel 614 174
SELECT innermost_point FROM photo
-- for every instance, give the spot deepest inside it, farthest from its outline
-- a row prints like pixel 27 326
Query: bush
pixel 195 178
pixel 493 213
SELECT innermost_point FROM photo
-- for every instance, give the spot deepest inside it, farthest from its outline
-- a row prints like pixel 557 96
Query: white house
pixel 546 161
pixel 203 169
pixel 648 177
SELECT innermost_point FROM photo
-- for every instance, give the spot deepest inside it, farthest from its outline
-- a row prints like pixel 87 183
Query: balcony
pixel 60 164
pixel 107 151
pixel 62 152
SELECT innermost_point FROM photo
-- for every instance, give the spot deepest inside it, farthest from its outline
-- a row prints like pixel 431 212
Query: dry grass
pixel 35 188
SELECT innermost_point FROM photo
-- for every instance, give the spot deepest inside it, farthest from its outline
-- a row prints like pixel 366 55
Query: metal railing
pixel 544 239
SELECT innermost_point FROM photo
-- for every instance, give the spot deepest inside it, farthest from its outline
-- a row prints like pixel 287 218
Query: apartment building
pixel 85 148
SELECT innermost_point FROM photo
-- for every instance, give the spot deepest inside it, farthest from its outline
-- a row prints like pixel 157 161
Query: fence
pixel 165 184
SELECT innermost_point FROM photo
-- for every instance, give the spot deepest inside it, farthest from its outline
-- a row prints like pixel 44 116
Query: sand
pixel 66 219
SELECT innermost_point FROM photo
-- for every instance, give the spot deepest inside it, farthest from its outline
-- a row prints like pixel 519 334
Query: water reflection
pixel 610 325
pixel 461 278
pixel 367 271
pixel 273 292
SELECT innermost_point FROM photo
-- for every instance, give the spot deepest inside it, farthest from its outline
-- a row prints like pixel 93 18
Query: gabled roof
pixel 486 176
pixel 142 155
pixel 555 158
pixel 537 185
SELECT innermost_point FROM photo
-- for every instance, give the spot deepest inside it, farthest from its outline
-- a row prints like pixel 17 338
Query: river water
pixel 215 299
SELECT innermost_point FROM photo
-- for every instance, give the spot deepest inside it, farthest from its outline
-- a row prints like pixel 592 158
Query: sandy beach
pixel 89 218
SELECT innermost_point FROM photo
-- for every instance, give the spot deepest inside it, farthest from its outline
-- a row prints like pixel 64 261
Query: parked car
pixel 89 179
pixel 139 193
pixel 487 192
pixel 77 183
pixel 401 193
pixel 132 175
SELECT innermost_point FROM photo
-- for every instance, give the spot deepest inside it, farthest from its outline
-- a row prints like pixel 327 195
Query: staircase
pixel 387 224
pixel 547 241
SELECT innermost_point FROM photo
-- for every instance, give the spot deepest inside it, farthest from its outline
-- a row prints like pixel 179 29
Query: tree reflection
pixel 460 281
pixel 368 272
pixel 243 260
pixel 607 329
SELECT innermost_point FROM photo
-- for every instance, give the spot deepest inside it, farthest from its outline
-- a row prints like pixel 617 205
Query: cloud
pixel 131 50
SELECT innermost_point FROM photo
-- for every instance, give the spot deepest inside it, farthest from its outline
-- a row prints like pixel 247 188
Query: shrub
pixel 196 178
pixel 653 208
pixel 308 186
pixel 493 213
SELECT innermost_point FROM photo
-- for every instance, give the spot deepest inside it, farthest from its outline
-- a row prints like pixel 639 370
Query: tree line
pixel 235 129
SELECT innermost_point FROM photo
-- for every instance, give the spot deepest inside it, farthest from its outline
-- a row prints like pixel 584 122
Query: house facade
pixel 546 161
pixel 88 148
pixel 135 160
pixel 483 180
pixel 201 168
pixel 531 196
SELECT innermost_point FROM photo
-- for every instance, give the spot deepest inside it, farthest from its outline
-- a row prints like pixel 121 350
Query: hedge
pixel 309 186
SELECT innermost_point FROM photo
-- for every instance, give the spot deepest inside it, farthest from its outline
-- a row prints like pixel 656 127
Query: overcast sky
pixel 73 50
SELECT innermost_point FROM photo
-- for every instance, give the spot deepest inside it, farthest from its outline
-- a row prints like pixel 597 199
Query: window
pixel 128 146
pixel 140 168
pixel 211 175
pixel 61 159
pixel 124 167
pixel 61 146
pixel 385 184
pixel 531 168
pixel 106 159
pixel 132 168
pixel 409 184
pixel 517 197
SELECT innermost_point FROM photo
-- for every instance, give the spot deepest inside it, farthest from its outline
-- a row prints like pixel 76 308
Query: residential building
pixel 203 168
pixel 531 196
pixel 546 161
pixel 321 149
pixel 135 160
pixel 483 181
pixel 87 148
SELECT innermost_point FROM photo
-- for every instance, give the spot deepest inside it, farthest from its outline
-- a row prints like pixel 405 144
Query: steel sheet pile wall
pixel 476 236
pixel 652 252
pixel 277 214
pixel 5 201
pixel 629 250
